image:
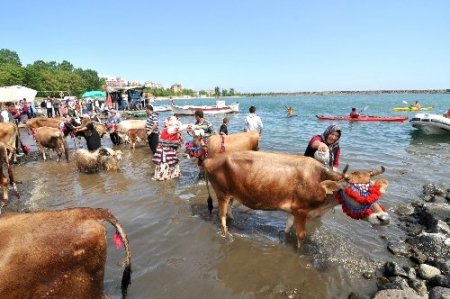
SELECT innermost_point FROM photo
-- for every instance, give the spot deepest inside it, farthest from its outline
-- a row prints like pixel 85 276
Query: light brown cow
pixel 135 136
pixel 38 122
pixel 232 143
pixel 57 254
pixel 9 135
pixel 52 138
pixel 296 184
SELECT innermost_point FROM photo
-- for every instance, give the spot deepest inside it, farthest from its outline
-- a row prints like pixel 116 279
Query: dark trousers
pixel 153 140
pixel 57 112
pixel 49 113
pixel 115 138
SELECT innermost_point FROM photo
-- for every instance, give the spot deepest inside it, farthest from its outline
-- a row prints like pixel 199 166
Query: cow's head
pixel 358 195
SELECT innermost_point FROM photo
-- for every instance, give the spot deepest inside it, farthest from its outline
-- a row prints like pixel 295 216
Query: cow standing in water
pixel 52 138
pixel 296 184
pixel 57 254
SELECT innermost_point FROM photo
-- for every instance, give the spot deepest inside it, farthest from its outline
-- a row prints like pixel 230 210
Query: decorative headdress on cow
pixel 360 194
pixel 172 129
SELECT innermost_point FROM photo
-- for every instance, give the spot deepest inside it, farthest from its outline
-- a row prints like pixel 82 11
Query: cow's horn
pixel 346 176
pixel 376 172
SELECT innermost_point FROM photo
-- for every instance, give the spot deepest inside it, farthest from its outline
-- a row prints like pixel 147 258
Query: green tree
pixel 8 56
pixel 224 92
pixel 203 92
pixel 11 74
pixel 232 92
pixel 217 91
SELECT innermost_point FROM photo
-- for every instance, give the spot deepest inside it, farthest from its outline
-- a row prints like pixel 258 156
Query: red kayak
pixel 363 118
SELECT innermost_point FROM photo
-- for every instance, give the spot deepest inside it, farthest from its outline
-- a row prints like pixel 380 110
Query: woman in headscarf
pixel 166 156
pixel 328 142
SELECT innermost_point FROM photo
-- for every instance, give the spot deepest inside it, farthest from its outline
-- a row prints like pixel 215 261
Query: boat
pixel 412 109
pixel 219 108
pixel 143 113
pixel 363 118
pixel 431 123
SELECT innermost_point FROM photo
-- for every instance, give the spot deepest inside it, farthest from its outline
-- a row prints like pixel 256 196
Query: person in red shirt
pixel 327 142
pixel 354 113
pixel 447 114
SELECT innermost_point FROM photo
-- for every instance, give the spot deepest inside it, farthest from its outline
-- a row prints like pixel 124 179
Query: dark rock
pixel 432 189
pixel 431 244
pixel 404 210
pixel 418 257
pixel 354 295
pixel 440 281
pixel 397 294
pixel 392 269
pixel 413 229
pixel 433 212
pixel 410 271
pixel 439 293
pixel 442 263
pixel 418 285
pixel 399 248
pixel 418 204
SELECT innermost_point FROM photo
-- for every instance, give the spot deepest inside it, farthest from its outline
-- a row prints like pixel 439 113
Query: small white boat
pixel 219 108
pixel 162 108
pixel 431 123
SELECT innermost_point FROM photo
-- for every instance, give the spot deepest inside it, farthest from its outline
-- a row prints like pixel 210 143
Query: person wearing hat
pixel 112 125
pixel 328 142
pixel 93 140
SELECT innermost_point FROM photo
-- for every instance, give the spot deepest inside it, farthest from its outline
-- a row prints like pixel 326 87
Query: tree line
pixel 52 78
pixel 48 78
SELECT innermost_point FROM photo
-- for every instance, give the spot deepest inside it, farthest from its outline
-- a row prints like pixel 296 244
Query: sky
pixel 248 45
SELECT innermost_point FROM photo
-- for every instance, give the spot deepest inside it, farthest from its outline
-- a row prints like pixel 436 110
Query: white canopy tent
pixel 16 92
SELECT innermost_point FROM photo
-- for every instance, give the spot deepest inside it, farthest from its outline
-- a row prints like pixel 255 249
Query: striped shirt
pixel 152 119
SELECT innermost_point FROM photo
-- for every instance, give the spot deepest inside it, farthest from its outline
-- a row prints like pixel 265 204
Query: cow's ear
pixel 383 184
pixel 330 186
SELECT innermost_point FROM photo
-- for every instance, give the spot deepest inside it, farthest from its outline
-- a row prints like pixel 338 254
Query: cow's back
pixel 57 253
pixel 125 125
pixel 246 141
pixel 38 122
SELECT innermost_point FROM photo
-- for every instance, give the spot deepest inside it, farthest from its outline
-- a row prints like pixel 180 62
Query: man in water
pixel 354 113
pixel 253 122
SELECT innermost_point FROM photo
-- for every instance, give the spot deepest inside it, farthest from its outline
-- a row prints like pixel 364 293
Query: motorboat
pixel 431 123
pixel 363 118
pixel 219 108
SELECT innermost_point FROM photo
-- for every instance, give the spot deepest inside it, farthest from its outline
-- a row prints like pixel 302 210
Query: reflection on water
pixel 178 251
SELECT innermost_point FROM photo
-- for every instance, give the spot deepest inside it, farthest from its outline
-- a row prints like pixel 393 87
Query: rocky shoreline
pixel 422 266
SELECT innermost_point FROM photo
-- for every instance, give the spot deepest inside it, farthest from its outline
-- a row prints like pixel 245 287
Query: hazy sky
pixel 248 45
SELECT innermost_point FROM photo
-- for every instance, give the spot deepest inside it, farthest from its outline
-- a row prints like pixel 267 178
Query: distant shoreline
pixel 350 92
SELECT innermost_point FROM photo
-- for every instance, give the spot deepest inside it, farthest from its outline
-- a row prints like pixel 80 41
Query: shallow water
pixel 177 248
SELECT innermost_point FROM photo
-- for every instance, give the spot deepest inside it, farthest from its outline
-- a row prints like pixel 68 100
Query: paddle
pixel 364 109
pixel 405 102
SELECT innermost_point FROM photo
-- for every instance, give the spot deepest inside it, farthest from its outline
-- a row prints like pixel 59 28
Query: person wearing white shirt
pixel 253 122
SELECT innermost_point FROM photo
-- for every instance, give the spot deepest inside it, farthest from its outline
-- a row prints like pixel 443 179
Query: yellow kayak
pixel 411 108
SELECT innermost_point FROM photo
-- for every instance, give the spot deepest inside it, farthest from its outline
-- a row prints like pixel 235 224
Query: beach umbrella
pixel 16 92
pixel 101 95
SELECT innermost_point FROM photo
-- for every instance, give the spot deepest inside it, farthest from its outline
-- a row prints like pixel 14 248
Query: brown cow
pixel 57 254
pixel 232 143
pixel 136 135
pixel 298 185
pixel 52 138
pixel 9 134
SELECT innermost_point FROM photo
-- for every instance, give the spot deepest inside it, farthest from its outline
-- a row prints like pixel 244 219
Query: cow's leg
pixel 223 208
pixel 289 223
pixel 12 181
pixel 42 149
pixel 300 226
pixel 4 183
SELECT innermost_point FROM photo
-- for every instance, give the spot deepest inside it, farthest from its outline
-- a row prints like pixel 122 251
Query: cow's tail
pixel 126 276
pixel 209 200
